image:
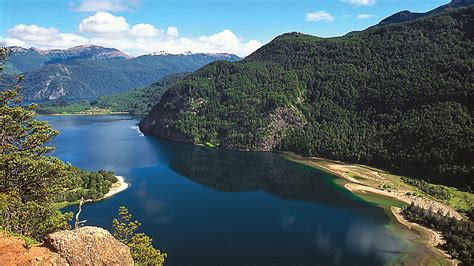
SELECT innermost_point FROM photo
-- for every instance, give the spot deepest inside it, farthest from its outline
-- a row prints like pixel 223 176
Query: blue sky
pixel 177 26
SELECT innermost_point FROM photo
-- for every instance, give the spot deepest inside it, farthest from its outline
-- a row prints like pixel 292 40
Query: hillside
pixel 93 73
pixel 397 96
pixel 407 15
pixel 137 101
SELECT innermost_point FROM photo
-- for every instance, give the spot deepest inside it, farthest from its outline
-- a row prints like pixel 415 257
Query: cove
pixel 208 206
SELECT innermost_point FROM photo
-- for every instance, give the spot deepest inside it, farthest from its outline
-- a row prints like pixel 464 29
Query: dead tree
pixel 78 223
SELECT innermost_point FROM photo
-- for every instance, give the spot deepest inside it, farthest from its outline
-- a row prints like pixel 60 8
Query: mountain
pixel 23 60
pixel 92 71
pixel 137 101
pixel 406 15
pixel 397 96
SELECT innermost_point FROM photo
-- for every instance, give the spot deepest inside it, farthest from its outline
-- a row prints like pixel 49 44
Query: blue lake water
pixel 207 206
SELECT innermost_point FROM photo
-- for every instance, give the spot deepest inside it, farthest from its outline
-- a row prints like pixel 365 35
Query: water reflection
pixel 215 207
pixel 233 171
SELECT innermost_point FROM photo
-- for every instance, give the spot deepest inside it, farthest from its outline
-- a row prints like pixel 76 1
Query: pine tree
pixel 30 180
pixel 141 245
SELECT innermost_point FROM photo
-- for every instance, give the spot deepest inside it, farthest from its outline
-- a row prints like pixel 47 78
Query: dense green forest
pixel 406 15
pixel 458 234
pixel 397 96
pixel 90 185
pixel 136 101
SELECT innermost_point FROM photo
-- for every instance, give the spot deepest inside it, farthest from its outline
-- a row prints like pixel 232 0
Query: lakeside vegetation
pixel 126 230
pixel 136 101
pixel 32 182
pixel 461 201
pixel 439 192
pixel 458 234
pixel 396 96
pixel 30 179
pixel 82 107
pixel 92 185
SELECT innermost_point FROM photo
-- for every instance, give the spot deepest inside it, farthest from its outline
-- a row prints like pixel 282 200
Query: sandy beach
pixel 363 180
pixel 117 187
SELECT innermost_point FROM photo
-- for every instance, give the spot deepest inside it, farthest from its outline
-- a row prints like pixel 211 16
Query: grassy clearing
pixel 63 204
pixel 461 201
pixel 356 177
pixel 380 200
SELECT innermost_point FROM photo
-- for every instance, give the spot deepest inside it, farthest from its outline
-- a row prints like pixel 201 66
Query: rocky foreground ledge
pixel 84 246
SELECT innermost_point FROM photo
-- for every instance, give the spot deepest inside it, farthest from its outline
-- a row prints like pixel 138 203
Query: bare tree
pixel 78 223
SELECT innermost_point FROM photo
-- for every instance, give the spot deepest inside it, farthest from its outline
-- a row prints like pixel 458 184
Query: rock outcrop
pixel 89 246
pixel 84 246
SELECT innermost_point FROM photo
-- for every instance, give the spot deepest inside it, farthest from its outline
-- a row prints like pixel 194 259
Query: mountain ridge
pixel 67 75
pixel 396 96
pixel 407 15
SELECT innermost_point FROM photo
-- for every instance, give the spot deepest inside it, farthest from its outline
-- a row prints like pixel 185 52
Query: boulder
pixel 89 246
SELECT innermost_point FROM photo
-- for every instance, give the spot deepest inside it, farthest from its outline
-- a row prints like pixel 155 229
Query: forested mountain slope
pixel 398 96
pixel 406 15
pixel 89 77
pixel 137 101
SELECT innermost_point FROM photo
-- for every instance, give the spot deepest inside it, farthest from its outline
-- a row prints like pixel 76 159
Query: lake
pixel 208 206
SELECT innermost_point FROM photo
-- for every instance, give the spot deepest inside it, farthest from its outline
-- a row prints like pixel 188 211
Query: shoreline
pixel 431 238
pixel 79 114
pixel 116 188
pixel 363 180
pixel 367 179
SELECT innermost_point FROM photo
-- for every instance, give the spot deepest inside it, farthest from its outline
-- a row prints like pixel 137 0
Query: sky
pixel 141 27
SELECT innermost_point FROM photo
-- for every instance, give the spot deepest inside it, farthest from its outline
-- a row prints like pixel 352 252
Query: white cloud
pixel 103 23
pixel 172 32
pixel 33 33
pixel 12 42
pixel 107 30
pixel 222 42
pixel 41 37
pixel 144 30
pixel 105 5
pixel 319 16
pixel 359 2
pixel 363 16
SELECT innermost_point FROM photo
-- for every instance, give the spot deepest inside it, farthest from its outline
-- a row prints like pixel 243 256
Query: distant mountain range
pixel 86 72
pixel 23 60
pixel 136 101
